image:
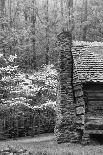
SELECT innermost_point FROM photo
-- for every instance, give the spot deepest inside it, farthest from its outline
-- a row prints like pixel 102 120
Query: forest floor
pixel 47 144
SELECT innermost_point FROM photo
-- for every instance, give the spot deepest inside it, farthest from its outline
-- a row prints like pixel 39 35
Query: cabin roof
pixel 88 60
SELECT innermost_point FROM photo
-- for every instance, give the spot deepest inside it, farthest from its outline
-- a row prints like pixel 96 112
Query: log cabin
pixel 80 90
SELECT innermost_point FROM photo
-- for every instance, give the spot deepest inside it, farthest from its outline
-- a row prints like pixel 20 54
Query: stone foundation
pixel 85 139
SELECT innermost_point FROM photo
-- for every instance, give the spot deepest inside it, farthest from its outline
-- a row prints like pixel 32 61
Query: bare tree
pixel 62 13
pixel 70 24
pixel 33 30
pixel 47 32
pixel 2 12
pixel 55 16
pixel 85 19
pixel 10 18
pixel 2 7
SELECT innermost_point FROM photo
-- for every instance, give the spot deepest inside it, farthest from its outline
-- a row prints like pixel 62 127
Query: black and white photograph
pixel 51 77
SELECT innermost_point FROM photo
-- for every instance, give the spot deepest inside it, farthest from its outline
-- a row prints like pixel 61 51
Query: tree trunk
pixel 33 22
pixel 47 34
pixel 2 6
pixel 26 14
pixel 85 19
pixel 62 14
pixel 70 25
pixel 55 16
pixel 10 14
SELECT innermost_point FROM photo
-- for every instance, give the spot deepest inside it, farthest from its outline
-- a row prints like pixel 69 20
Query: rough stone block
pixel 80 119
pixel 80 110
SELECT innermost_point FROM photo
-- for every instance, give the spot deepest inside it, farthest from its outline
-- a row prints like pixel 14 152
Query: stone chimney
pixel 65 129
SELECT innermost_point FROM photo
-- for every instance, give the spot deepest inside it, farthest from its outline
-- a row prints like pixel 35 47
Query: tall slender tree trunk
pixel 2 6
pixel 70 15
pixel 10 23
pixel 2 13
pixel 55 16
pixel 62 13
pixel 26 14
pixel 61 5
pixel 33 29
pixel 47 34
pixel 10 19
pixel 85 19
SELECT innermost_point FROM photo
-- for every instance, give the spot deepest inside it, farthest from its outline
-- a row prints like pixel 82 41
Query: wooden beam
pixel 94 131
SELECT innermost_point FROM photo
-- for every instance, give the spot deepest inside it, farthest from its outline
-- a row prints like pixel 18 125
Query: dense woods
pixel 29 29
pixel 29 53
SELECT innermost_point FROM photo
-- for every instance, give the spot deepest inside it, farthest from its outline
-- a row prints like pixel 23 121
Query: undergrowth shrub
pixel 22 120
pixel 44 120
pixel 27 101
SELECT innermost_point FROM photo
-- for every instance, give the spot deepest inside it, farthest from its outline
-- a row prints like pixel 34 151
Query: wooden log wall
pixel 94 113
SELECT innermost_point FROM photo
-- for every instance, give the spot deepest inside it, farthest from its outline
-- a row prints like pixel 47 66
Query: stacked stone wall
pixel 70 120
pixel 65 129
pixel 79 100
pixel 80 107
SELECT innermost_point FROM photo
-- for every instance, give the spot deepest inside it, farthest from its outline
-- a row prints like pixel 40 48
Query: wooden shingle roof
pixel 88 60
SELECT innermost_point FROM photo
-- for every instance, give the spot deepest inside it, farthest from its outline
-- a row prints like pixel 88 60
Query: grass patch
pixel 47 145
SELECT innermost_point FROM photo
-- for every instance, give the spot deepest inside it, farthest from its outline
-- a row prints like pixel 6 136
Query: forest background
pixel 29 28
